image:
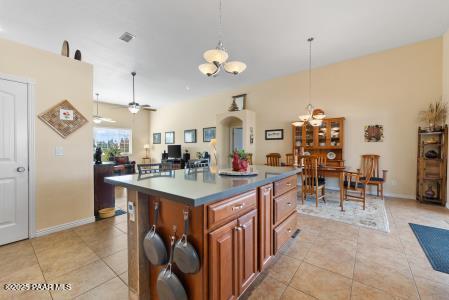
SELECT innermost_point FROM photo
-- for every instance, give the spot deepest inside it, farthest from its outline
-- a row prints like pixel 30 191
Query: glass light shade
pixel 315 122
pixel 304 118
pixel 319 117
pixel 298 123
pixel 97 120
pixel 208 69
pixel 216 55
pixel 134 107
pixel 146 146
pixel 213 142
pixel 235 67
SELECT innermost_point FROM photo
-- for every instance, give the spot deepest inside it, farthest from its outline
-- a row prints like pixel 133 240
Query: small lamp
pixel 146 147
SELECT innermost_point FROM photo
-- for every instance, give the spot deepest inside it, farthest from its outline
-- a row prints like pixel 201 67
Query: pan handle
pixel 156 214
pixel 186 226
pixel 170 260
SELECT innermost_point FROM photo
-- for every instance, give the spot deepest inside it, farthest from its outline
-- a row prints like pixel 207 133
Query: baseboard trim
pixel 64 226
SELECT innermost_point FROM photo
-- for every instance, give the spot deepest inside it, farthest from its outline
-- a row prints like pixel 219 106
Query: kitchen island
pixel 237 224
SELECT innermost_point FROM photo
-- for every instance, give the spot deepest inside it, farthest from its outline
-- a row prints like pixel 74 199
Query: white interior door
pixel 13 161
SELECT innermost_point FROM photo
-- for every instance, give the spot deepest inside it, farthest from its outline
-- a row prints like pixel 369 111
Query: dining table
pixel 326 169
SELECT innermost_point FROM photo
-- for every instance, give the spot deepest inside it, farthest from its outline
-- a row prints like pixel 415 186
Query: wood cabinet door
pixel 223 262
pixel 247 250
pixel 265 232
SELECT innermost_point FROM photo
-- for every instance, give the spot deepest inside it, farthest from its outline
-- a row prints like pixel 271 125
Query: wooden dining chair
pixel 289 159
pixel 249 158
pixel 354 188
pixel 371 173
pixel 273 159
pixel 311 184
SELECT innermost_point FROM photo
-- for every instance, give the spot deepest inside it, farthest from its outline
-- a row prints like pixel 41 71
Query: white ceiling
pixel 171 35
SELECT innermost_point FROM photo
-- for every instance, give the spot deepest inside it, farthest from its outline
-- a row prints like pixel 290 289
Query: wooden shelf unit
pixel 432 172
pixel 329 137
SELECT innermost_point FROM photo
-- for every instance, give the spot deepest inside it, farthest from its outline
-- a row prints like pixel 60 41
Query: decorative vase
pixel 430 193
pixel 238 164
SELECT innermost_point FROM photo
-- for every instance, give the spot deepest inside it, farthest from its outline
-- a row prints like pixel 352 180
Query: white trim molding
pixel 64 226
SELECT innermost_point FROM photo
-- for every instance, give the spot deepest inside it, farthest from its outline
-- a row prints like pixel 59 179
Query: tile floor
pixel 328 260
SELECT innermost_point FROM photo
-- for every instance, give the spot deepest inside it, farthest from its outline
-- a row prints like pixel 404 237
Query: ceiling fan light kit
pixel 133 106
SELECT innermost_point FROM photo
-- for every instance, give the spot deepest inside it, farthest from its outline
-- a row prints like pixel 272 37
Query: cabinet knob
pixel 289 230
pixel 288 184
pixel 289 203
pixel 237 228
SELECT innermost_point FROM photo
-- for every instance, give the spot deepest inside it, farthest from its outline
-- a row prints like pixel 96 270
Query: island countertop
pixel 197 187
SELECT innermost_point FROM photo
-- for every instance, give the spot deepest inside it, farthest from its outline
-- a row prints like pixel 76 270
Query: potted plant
pixel 111 152
pixel 239 161
pixel 435 115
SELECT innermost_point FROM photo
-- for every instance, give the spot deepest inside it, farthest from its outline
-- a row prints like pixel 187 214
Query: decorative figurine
pixel 98 153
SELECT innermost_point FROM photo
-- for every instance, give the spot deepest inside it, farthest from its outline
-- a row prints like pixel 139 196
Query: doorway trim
pixel 31 103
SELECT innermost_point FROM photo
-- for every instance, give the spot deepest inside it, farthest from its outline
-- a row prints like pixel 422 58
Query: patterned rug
pixel 374 216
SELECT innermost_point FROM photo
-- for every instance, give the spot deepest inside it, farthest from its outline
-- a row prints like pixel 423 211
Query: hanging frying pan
pixel 168 285
pixel 153 244
pixel 185 255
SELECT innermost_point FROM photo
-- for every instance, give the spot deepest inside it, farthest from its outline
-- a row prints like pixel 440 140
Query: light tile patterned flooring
pixel 328 260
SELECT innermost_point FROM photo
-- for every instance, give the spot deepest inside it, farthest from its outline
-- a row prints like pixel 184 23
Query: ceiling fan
pixel 98 119
pixel 133 106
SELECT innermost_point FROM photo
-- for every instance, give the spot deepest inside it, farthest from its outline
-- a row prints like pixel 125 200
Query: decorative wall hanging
pixel 274 134
pixel 209 134
pixel 374 133
pixel 240 100
pixel 170 137
pixel 63 118
pixel 190 136
pixel 157 138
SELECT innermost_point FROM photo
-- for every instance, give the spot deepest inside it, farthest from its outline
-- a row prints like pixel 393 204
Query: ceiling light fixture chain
pixel 217 58
pixel 313 116
pixel 133 106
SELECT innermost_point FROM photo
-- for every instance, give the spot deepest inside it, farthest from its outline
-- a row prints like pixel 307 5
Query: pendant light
pixel 97 119
pixel 312 116
pixel 217 58
pixel 133 107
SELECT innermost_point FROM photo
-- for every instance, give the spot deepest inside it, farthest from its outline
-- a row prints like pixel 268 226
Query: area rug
pixel 374 216
pixel 435 244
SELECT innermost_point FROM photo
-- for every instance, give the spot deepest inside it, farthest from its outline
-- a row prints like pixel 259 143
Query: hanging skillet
pixel 185 255
pixel 153 244
pixel 168 285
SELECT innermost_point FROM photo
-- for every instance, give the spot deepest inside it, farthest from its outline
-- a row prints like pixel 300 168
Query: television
pixel 174 151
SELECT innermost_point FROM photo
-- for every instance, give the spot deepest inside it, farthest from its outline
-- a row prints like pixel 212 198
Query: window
pixel 106 137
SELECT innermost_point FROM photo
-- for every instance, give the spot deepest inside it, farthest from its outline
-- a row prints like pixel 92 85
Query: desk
pixel 341 178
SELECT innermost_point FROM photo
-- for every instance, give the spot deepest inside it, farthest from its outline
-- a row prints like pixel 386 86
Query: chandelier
pixel 217 58
pixel 313 116
pixel 133 106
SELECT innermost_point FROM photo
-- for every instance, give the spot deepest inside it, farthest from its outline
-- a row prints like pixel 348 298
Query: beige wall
pixel 64 184
pixel 387 88
pixel 139 124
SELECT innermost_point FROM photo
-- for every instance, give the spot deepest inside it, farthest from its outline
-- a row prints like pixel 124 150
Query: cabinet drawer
pixel 284 231
pixel 231 208
pixel 284 205
pixel 284 185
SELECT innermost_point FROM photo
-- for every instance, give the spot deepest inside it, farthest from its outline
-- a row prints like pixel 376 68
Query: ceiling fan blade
pixel 109 120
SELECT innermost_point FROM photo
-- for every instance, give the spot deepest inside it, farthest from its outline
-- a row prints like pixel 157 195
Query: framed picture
pixel 274 134
pixel 170 137
pixel 190 136
pixel 209 133
pixel 240 100
pixel 157 138
pixel 374 133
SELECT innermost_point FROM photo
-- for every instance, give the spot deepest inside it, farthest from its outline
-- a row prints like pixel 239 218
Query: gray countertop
pixel 200 186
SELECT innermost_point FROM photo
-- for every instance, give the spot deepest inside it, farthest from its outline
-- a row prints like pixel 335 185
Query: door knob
pixel 21 169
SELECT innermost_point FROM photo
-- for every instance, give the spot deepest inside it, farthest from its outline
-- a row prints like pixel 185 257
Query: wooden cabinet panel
pixel 229 209
pixel 247 250
pixel 265 224
pixel 284 185
pixel 284 205
pixel 283 232
pixel 223 262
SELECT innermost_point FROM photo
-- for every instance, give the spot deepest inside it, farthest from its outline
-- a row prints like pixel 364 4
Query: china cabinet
pixel 327 139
